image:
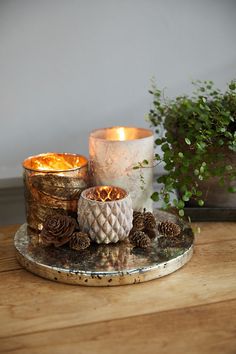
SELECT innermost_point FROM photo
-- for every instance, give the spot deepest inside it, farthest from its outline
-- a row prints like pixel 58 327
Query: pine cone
pixel 138 221
pixel 139 239
pixel 149 220
pixel 57 230
pixel 79 241
pixel 168 228
pixel 136 213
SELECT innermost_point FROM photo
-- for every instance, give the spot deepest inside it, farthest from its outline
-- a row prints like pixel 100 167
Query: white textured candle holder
pixel 113 154
pixel 105 213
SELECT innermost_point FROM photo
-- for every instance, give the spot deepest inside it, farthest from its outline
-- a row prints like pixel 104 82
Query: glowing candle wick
pixel 121 133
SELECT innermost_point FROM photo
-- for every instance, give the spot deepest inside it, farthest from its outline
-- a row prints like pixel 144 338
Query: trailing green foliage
pixel 195 133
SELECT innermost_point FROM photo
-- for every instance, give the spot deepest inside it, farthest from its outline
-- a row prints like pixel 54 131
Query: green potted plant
pixel 197 137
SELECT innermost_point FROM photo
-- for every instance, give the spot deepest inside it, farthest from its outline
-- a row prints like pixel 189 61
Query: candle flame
pixel 121 133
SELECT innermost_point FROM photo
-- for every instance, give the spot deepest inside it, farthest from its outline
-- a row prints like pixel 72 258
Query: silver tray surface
pixel 106 265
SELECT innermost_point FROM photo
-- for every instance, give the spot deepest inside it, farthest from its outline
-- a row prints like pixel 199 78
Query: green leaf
pixel 165 147
pixel 166 198
pixel 228 168
pixel 232 86
pixel 201 145
pixel 220 142
pixel 145 162
pixel 155 196
pixel 188 142
pixel 158 141
pixel 180 204
pixel 181 212
pixel 175 202
pixel 181 155
pixel 222 130
pixel 187 196
pixel 202 169
pixel 200 202
pixel 232 189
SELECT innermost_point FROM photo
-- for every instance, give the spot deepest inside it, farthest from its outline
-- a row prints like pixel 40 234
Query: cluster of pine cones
pixel 59 230
pixel 145 228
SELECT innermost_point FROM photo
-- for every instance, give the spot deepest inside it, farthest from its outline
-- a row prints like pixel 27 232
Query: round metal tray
pixel 106 265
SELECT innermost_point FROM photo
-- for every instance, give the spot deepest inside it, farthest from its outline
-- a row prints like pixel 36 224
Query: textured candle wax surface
pixel 113 161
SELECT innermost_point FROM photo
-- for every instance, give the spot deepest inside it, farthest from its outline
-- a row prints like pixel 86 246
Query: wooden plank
pixel 205 329
pixel 29 303
pixel 214 232
pixel 7 252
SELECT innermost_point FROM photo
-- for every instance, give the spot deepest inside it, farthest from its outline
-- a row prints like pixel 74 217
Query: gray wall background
pixel 67 67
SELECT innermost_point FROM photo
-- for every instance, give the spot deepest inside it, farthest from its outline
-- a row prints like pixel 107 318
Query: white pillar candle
pixel 114 152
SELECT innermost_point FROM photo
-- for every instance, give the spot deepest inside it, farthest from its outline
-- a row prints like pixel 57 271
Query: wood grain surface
pixel 190 311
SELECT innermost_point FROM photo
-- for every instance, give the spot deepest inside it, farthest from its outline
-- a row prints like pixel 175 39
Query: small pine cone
pixel 139 239
pixel 79 241
pixel 136 213
pixel 138 221
pixel 149 220
pixel 168 228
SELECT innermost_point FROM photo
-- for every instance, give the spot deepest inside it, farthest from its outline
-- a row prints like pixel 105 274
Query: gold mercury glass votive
pixel 53 183
pixel 105 212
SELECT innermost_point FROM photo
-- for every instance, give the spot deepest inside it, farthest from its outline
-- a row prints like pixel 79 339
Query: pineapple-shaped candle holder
pixel 105 213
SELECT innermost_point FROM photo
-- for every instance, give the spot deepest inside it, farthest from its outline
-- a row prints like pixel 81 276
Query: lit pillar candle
pixel 114 152
pixel 53 183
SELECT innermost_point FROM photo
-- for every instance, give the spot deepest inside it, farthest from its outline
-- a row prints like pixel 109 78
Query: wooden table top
pixel 190 311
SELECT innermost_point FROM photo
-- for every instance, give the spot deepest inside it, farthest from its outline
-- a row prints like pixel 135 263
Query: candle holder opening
pixel 119 133
pixel 54 162
pixel 105 193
